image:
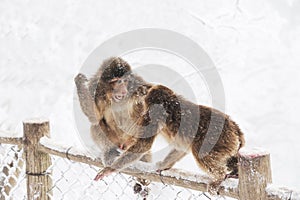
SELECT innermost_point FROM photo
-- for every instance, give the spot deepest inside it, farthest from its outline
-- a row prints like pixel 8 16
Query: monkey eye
pixel 114 80
pixel 119 81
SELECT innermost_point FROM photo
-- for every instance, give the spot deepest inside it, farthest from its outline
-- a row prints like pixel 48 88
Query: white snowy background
pixel 255 45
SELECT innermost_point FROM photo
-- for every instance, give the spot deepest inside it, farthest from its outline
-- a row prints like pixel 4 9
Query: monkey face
pixel 114 79
pixel 119 89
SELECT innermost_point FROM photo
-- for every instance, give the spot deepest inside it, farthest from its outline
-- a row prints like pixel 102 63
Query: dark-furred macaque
pixel 131 112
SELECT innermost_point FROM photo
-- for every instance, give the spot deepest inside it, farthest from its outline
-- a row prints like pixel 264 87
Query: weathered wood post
pixel 39 183
pixel 254 174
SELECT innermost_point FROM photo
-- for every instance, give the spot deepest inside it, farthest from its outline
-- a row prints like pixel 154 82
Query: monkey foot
pixel 236 176
pixel 137 188
pixel 159 171
pixel 214 187
pixel 212 190
pixel 104 172
pixel 143 191
pixel 144 182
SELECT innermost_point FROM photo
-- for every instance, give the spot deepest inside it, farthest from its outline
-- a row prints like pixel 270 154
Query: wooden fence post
pixel 39 183
pixel 254 174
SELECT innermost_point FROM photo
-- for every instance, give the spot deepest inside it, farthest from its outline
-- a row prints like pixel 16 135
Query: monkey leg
pixel 133 154
pixel 173 156
pixel 146 158
pixel 215 165
pixel 140 186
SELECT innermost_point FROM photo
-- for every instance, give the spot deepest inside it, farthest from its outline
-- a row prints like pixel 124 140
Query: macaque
pixel 108 147
pixel 107 139
pixel 102 101
pixel 131 113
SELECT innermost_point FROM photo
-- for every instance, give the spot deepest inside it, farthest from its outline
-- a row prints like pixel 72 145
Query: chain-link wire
pixel 74 181
pixel 12 172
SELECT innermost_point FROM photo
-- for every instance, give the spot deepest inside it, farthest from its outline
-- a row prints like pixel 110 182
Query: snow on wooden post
pixel 39 183
pixel 254 174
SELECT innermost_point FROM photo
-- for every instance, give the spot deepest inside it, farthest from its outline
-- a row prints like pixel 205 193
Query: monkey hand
pixel 80 78
pixel 160 166
pixel 104 172
pixel 214 187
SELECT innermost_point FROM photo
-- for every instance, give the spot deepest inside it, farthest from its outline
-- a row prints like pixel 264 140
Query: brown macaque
pixel 102 100
pixel 131 112
pixel 104 131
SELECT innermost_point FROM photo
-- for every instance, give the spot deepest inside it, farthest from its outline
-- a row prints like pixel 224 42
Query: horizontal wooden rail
pixel 10 138
pixel 173 176
pixel 230 187
pixel 278 193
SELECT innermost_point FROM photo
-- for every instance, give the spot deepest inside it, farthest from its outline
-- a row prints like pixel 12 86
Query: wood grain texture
pixel 254 174
pixel 39 181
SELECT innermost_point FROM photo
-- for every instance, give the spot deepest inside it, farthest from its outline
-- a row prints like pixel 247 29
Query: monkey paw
pixel 160 166
pixel 80 78
pixel 104 172
pixel 214 187
pixel 142 190
pixel 235 176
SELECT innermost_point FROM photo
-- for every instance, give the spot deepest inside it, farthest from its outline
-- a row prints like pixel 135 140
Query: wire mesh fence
pixel 55 171
pixel 12 172
pixel 74 180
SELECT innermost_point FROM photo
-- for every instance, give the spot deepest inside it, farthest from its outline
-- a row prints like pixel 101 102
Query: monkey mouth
pixel 118 98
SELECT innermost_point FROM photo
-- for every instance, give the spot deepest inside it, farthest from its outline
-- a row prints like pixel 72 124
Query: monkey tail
pixel 232 162
pixel 242 140
pixel 239 133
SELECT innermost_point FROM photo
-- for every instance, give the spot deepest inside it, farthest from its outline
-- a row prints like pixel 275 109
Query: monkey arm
pixel 133 154
pixel 86 100
pixel 109 156
pixel 172 157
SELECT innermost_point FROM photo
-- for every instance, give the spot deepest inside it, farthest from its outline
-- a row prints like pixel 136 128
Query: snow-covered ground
pixel 253 44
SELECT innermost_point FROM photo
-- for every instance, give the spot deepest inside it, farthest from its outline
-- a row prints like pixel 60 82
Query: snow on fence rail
pixel 254 169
